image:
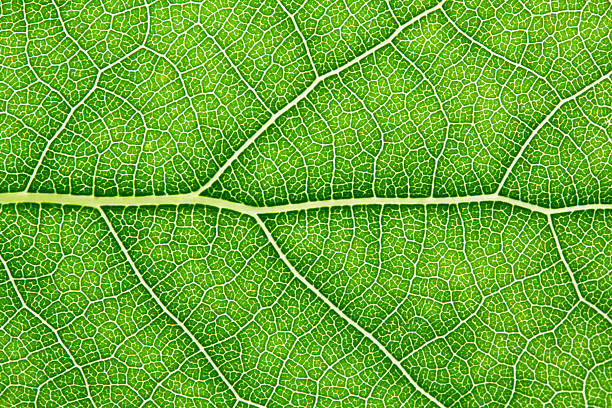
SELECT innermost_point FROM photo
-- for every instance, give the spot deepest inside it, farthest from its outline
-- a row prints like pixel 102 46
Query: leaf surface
pixel 311 203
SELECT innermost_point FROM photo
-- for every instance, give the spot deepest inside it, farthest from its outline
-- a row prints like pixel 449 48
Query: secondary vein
pixel 350 321
pixel 309 89
pixel 169 313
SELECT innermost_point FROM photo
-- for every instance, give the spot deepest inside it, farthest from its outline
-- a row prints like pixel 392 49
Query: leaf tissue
pixel 306 203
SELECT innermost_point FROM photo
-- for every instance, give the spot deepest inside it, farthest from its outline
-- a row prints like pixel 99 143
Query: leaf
pixel 311 203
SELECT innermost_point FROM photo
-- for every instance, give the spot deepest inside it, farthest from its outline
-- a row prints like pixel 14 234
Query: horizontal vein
pixel 350 321
pixel 99 202
pixel 306 91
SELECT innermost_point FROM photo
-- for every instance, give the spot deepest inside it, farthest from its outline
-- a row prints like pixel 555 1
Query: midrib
pixel 193 199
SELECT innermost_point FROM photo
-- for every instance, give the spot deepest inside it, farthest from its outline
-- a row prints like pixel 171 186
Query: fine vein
pixel 169 313
pixel 309 89
pixel 544 122
pixel 340 313
pixel 571 274
pixel 48 326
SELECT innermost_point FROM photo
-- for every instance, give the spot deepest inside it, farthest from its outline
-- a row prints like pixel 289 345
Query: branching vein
pixel 340 313
pixel 168 312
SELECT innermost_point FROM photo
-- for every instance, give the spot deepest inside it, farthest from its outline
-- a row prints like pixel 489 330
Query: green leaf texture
pixel 306 203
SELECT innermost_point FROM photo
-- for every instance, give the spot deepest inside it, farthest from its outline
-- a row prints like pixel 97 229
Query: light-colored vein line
pixel 27 57
pixel 372 116
pixel 297 29
pixel 340 313
pixel 98 202
pixel 160 382
pixel 439 100
pixel 544 122
pixel 191 106
pixel 48 326
pixel 226 56
pixel 237 71
pixel 168 312
pixel 489 50
pixel 526 348
pixel 571 274
pixel 82 101
pixel 72 110
pixel 471 316
pixel 307 91
pixel 60 130
pixel 70 37
pixel 392 13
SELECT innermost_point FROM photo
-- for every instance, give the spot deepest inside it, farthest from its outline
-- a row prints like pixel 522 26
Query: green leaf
pixel 315 203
